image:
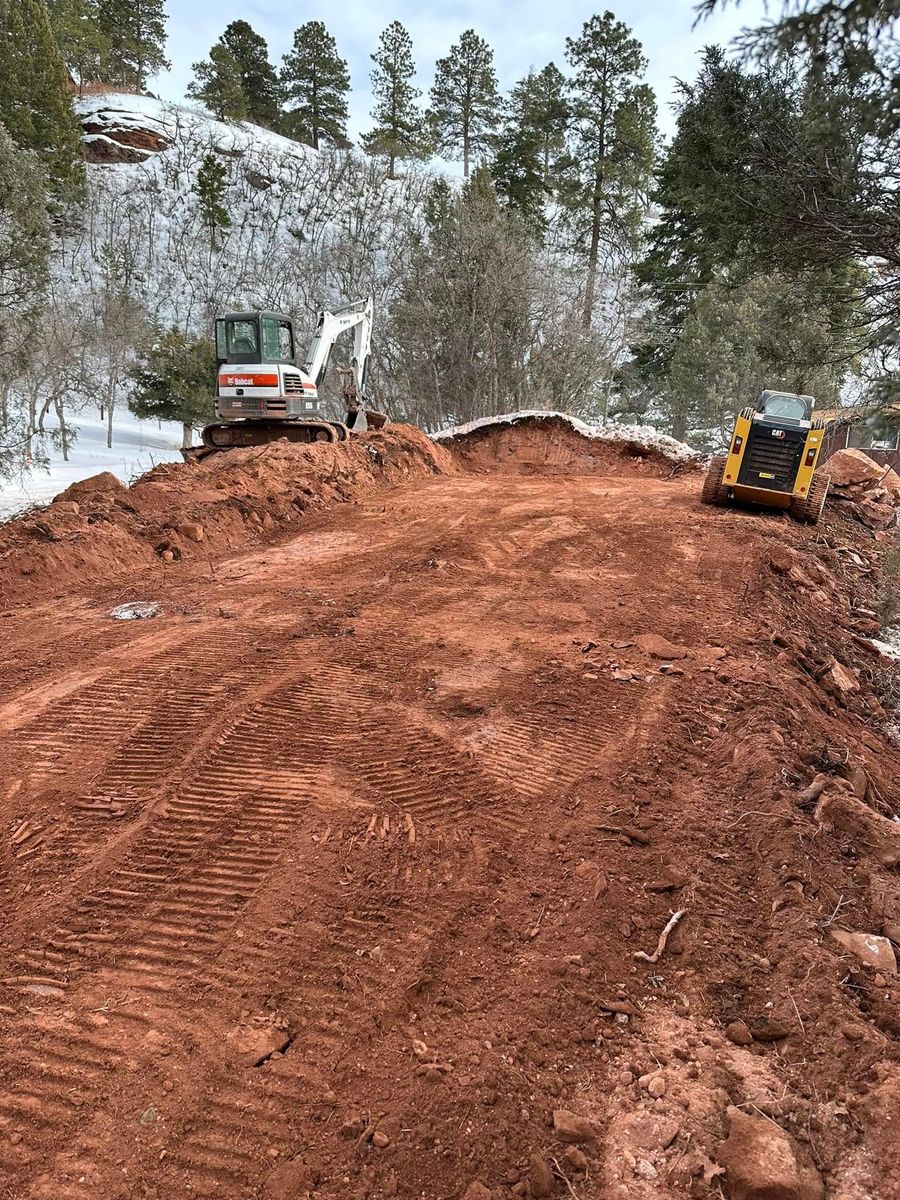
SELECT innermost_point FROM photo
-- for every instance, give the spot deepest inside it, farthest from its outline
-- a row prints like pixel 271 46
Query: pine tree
pixel 540 100
pixel 464 101
pixel 82 42
pixel 173 381
pixel 400 131
pixel 24 242
pixel 35 105
pixel 218 85
pixel 258 78
pixel 136 30
pixel 615 129
pixel 212 179
pixel 518 172
pixel 315 82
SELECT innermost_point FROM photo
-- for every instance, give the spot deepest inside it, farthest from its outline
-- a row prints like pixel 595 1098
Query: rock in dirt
pixel 291 1181
pixel 763 1162
pixel 569 1127
pixel 738 1033
pixel 848 467
pixel 660 647
pixel 869 948
pixel 252 1044
pixel 540 1177
pixel 192 531
pixel 477 1191
pixel 137 610
pixel 870 831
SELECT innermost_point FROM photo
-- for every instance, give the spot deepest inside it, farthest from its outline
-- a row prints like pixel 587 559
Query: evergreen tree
pixel 82 41
pixel 540 104
pixel 258 78
pixel 24 242
pixel 218 85
pixel 136 30
pixel 399 132
pixel 35 105
pixel 212 180
pixel 315 82
pixel 464 101
pixel 173 380
pixel 518 172
pixel 614 124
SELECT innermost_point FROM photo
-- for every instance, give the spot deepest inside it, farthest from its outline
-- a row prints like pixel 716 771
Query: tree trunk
pixel 63 428
pixel 465 154
pixel 110 409
pixel 187 434
pixel 593 254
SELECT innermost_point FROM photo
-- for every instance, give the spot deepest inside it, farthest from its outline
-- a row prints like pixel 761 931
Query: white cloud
pixel 526 34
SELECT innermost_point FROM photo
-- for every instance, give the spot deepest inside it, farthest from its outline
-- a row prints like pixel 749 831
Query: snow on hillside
pixel 307 227
pixel 137 446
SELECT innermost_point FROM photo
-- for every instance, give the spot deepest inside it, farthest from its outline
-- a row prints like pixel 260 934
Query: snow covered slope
pixel 137 446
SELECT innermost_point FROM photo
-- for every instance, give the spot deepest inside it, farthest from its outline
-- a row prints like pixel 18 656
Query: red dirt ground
pixel 386 800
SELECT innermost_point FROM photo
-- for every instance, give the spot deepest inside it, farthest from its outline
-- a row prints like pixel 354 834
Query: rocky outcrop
pixel 113 135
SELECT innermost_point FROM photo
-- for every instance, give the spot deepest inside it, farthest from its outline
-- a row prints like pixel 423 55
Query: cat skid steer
pixel 263 395
pixel 772 460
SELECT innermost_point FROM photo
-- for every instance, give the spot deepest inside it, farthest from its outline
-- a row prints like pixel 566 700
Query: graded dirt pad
pixel 344 875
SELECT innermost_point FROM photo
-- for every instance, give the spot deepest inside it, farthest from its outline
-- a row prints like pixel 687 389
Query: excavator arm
pixel 356 316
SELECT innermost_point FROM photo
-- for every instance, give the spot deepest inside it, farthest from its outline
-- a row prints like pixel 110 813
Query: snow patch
pixel 643 436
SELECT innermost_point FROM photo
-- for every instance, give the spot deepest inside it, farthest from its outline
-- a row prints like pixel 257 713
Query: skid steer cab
pixel 772 458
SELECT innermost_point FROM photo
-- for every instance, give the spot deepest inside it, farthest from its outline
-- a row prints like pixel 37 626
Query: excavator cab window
pixel 277 340
pixel 237 340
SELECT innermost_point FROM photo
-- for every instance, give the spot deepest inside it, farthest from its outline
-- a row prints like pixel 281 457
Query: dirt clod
pixel 570 1127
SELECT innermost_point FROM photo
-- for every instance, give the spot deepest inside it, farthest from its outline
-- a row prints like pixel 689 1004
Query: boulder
pixel 763 1162
pixel 871 949
pixel 852 467
pixel 876 514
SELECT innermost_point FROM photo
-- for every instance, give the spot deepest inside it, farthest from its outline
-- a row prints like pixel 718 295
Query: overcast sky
pixel 523 34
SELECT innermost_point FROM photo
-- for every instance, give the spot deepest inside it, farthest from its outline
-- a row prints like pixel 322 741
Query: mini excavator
pixel 772 458
pixel 261 393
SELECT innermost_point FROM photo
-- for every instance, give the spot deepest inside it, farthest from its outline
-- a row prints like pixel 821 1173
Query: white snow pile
pixel 643 437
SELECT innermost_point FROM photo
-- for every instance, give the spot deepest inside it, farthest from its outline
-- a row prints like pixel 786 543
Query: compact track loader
pixel 263 395
pixel 772 460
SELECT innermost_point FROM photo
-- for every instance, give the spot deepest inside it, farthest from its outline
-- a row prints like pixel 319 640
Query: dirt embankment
pixel 99 531
pixel 345 875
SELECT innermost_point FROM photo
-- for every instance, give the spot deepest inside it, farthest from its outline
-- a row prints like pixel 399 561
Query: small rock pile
pixel 868 490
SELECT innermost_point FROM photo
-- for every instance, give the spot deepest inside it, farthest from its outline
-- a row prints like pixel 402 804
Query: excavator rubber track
pixel 237 435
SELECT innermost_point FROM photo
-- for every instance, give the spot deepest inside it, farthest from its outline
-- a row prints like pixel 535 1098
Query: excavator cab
pixel 772 458
pixel 254 337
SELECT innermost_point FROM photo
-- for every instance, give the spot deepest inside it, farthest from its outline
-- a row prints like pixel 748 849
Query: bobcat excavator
pixel 772 458
pixel 261 393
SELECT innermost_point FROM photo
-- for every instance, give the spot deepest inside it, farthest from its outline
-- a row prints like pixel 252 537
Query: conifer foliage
pixel 217 84
pixel 212 180
pixel 464 100
pixel 399 131
pixel 173 381
pixel 35 105
pixel 136 33
pixel 315 82
pixel 82 42
pixel 614 126
pixel 258 79
pixel 24 242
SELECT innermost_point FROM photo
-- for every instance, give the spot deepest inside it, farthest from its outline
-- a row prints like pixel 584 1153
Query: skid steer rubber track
pixel 714 491
pixel 809 507
pixel 234 435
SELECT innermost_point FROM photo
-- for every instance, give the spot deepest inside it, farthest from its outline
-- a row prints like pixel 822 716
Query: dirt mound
pixel 554 444
pixel 99 531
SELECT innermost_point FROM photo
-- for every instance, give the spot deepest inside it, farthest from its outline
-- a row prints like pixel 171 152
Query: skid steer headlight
pixel 736 445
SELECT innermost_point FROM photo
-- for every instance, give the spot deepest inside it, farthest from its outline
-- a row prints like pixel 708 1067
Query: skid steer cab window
pixel 237 340
pixel 785 408
pixel 278 341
